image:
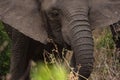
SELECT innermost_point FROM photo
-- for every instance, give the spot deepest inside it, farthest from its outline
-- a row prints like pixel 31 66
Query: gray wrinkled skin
pixel 26 13
pixel 65 21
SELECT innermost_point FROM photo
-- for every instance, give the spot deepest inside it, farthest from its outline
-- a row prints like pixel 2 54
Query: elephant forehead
pixel 104 12
pixel 4 6
pixel 24 15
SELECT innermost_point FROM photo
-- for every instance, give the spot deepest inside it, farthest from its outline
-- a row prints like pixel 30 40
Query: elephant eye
pixel 53 13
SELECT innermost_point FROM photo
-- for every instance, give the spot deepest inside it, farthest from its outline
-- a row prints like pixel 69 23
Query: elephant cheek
pixel 65 33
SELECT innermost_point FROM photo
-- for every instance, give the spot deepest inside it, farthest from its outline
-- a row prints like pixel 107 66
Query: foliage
pixel 106 66
pixel 48 72
pixel 4 51
pixel 105 40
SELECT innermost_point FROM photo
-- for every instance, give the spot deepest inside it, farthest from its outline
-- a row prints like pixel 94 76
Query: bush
pixel 4 51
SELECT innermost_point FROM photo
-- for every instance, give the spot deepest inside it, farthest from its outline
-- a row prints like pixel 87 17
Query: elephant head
pixel 72 20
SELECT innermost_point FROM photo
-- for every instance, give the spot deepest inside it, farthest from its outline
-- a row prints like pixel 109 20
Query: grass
pixel 106 66
pixel 48 72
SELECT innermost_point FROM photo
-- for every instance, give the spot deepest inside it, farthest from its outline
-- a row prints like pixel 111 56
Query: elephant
pixel 68 23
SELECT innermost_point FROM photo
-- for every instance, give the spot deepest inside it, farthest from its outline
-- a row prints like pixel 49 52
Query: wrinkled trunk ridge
pixel 81 39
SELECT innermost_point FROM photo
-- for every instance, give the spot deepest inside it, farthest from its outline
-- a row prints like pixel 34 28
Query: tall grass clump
pixel 105 40
pixel 106 66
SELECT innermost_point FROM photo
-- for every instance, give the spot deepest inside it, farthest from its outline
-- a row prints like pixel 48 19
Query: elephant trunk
pixel 81 40
pixel 82 44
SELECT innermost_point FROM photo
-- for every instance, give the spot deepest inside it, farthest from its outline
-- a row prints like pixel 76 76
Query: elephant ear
pixel 25 16
pixel 104 12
